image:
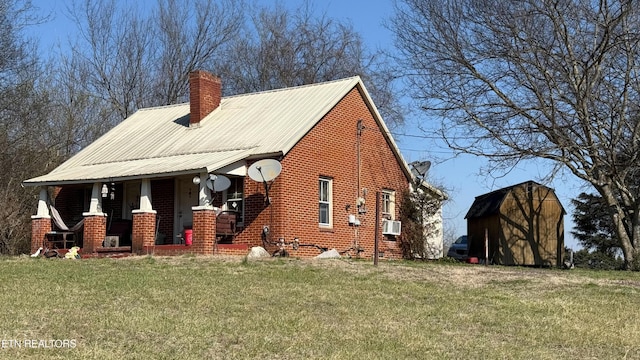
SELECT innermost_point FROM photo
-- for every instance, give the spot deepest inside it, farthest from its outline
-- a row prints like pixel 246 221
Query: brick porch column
pixel 40 223
pixel 144 231
pixel 95 222
pixel 204 229
pixel 40 226
pixel 95 229
pixel 143 236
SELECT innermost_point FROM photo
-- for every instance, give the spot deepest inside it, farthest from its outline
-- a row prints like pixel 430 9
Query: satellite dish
pixel 264 170
pixel 420 168
pixel 219 182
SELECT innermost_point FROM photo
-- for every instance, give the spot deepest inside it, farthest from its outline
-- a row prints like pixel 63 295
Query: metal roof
pixel 489 203
pixel 158 141
pixel 140 168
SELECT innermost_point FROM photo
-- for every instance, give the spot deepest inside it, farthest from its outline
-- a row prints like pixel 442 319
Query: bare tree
pixel 24 130
pixel 112 56
pixel 191 36
pixel 283 47
pixel 126 58
pixel 26 150
pixel 535 79
pixel 421 225
pixel 76 114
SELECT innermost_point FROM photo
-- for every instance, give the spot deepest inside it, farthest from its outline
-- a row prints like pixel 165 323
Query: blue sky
pixel 461 175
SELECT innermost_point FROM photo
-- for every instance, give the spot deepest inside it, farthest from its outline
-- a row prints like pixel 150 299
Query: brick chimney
pixel 205 93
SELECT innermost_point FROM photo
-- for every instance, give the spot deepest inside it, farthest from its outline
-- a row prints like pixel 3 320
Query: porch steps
pixel 110 252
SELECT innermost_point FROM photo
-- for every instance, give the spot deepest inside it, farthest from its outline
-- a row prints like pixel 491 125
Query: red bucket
pixel 188 236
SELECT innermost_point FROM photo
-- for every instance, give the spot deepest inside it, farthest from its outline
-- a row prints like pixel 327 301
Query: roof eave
pixel 434 190
pixel 113 179
pixel 276 154
pixel 392 144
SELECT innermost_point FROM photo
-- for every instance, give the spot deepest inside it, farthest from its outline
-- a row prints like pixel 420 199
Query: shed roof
pixel 158 141
pixel 489 203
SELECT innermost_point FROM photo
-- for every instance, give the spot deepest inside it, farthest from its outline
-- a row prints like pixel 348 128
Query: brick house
pixel 144 182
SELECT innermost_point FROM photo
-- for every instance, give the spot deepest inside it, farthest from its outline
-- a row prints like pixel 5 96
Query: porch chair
pixel 226 226
pixel 63 234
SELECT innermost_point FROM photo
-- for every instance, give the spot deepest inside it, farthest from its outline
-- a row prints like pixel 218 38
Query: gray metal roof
pixel 156 142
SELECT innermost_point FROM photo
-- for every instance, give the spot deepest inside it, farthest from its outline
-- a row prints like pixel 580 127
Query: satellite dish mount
pixel 420 169
pixel 265 171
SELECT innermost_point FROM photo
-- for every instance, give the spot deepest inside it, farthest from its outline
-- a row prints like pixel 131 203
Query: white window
pixel 388 200
pixel 234 197
pixel 325 209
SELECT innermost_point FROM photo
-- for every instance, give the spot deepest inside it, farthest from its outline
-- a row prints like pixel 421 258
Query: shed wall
pixel 527 230
pixel 532 227
pixel 476 229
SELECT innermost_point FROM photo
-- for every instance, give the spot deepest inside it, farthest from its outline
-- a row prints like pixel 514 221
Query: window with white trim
pixel 234 199
pixel 325 199
pixel 388 200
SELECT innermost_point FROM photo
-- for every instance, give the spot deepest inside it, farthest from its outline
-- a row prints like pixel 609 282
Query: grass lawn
pixel 211 307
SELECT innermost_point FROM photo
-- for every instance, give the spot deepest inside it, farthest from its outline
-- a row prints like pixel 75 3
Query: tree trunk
pixel 629 254
pixel 629 251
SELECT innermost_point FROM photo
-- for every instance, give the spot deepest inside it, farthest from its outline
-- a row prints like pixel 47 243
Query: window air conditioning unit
pixel 391 227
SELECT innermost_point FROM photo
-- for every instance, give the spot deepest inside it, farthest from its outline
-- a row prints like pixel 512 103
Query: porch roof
pixel 140 168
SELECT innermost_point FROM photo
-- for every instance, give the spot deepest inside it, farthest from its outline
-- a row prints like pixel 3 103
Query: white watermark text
pixel 38 344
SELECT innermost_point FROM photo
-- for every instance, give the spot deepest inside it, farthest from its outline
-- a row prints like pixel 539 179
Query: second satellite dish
pixel 222 183
pixel 420 168
pixel 264 170
pixel 218 183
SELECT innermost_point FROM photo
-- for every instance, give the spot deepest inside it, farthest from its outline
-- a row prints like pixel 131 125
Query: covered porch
pixel 163 216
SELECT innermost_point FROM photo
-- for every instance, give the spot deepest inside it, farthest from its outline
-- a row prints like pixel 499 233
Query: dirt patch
pixel 471 276
pixel 468 276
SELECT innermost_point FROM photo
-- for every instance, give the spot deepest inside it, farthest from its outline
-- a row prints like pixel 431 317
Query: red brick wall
pixel 162 201
pixel 204 231
pixel 70 202
pixel 256 213
pixel 144 228
pixel 167 250
pixel 95 229
pixel 232 249
pixel 39 228
pixel 328 150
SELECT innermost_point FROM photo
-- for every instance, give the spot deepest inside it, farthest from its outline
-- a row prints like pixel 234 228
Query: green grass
pixel 209 308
